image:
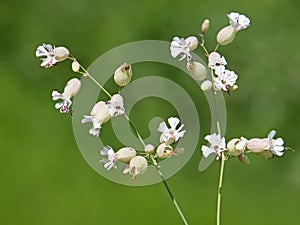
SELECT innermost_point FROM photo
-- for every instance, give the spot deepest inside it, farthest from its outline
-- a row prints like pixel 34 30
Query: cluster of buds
pixel 266 147
pixel 136 162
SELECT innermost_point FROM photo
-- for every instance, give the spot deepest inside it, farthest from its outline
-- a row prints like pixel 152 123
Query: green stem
pixel 219 188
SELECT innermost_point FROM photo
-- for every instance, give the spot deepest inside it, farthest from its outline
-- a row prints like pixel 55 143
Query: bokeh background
pixel 45 180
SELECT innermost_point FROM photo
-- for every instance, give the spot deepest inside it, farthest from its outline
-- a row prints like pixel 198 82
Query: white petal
pixel 59 105
pixel 173 121
pixel 163 127
pixel 206 151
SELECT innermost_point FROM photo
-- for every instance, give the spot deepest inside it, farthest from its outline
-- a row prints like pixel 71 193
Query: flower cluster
pixel 136 162
pixel 266 147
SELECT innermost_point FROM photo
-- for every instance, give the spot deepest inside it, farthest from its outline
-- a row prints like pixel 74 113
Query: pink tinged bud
pixel 72 88
pixel 75 66
pixel 123 75
pixel 205 26
pixel 197 70
pixel 149 149
pixel 137 166
pixel 61 53
pixel 164 151
pixel 125 154
pixel 206 85
pixel 226 35
pixel 258 145
pixel 192 42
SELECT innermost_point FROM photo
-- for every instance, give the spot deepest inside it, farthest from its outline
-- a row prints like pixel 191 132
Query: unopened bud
pixel 258 145
pixel 192 42
pixel 205 26
pixel 149 148
pixel 125 154
pixel 206 85
pixel 72 88
pixel 61 53
pixel 197 70
pixel 123 74
pixel 100 112
pixel 226 35
pixel 75 66
pixel 164 150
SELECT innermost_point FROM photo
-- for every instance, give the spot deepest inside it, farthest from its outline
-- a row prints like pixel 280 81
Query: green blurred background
pixel 44 179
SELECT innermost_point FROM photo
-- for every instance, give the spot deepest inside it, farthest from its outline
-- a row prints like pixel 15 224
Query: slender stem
pixel 216 48
pixel 203 45
pixel 219 188
pixel 135 130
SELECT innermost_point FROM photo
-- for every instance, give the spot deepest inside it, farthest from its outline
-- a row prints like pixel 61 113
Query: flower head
pixel 116 105
pixel 170 135
pixel 111 159
pixel 51 55
pixel 98 116
pixel 71 89
pixel 237 21
pixel 217 145
pixel 225 80
pixel 275 145
pixel 182 47
pixel 215 60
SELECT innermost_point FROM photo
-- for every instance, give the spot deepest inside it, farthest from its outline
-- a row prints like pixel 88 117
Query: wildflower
pixel 116 105
pixel 182 47
pixel 197 70
pixel 258 144
pixel 275 145
pixel 125 154
pixel 237 146
pixel 137 166
pixel 170 135
pixel 111 159
pixel 98 116
pixel 71 89
pixel 215 60
pixel 225 80
pixel 51 54
pixel 164 150
pixel 123 75
pixel 217 145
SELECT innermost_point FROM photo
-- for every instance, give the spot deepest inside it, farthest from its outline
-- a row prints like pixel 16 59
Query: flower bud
pixel 72 88
pixel 205 26
pixel 192 42
pixel 226 35
pixel 75 66
pixel 258 145
pixel 149 148
pixel 100 112
pixel 197 70
pixel 125 154
pixel 138 165
pixel 206 85
pixel 164 150
pixel 236 146
pixel 61 53
pixel 123 74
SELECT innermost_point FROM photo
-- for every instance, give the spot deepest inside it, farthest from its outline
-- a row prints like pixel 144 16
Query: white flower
pixel 275 145
pixel 71 89
pixel 237 21
pixel 224 80
pixel 116 105
pixel 125 154
pixel 138 165
pixel 215 60
pixel 51 54
pixel 98 116
pixel 164 150
pixel 123 75
pixel 170 135
pixel 179 46
pixel 217 145
pixel 111 159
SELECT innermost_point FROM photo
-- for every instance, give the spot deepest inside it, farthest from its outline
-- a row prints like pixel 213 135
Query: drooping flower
pixel 111 159
pixel 170 135
pixel 217 145
pixel 98 116
pixel 123 75
pixel 51 55
pixel 275 145
pixel 238 21
pixel 137 166
pixel 225 80
pixel 183 47
pixel 237 146
pixel 71 89
pixel 215 60
pixel 116 105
